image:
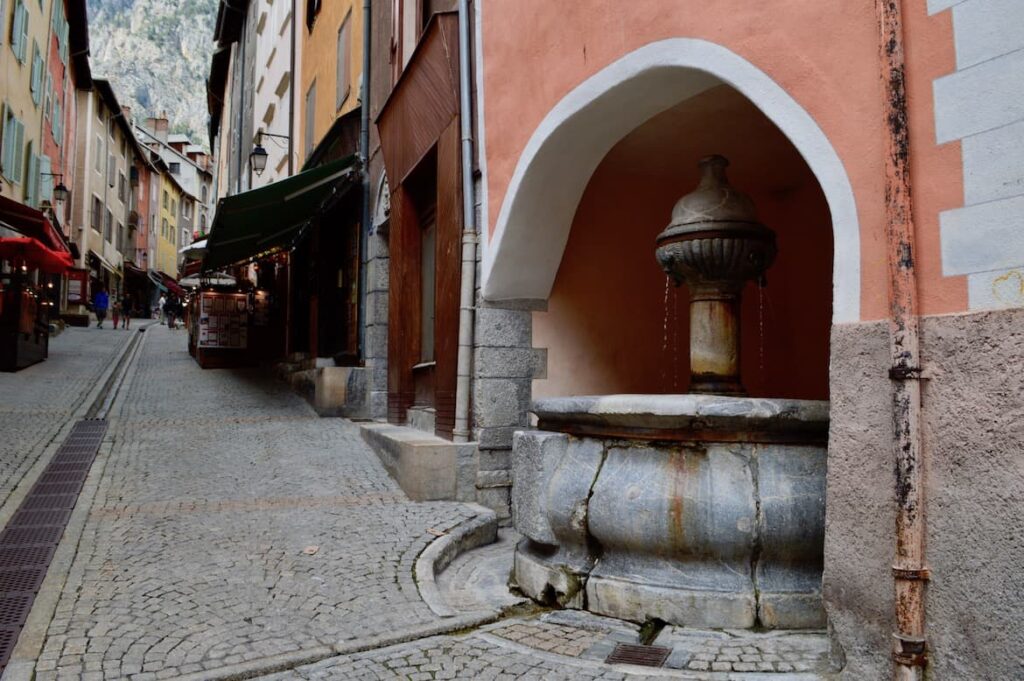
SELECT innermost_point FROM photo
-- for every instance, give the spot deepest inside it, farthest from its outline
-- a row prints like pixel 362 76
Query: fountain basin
pixel 698 510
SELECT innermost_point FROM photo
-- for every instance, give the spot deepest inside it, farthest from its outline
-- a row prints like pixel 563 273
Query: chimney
pixel 150 125
pixel 161 128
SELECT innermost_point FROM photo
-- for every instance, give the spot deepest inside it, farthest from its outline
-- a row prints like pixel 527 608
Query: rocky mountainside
pixel 156 53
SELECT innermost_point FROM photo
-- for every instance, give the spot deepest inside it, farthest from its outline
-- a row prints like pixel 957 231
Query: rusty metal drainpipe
pixel 909 572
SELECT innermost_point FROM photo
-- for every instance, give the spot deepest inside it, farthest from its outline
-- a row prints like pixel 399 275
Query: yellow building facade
pixel 332 49
pixel 167 233
pixel 23 69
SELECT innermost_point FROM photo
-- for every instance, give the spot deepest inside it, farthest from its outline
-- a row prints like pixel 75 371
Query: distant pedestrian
pixel 170 311
pixel 100 303
pixel 160 307
pixel 126 310
pixel 115 312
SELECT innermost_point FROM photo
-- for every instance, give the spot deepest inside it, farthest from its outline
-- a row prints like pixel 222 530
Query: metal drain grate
pixel 26 580
pixel 58 488
pixel 49 501
pixel 25 556
pixel 30 539
pixel 643 656
pixel 34 518
pixel 29 536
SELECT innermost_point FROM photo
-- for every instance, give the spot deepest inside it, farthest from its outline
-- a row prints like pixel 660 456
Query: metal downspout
pixel 909 572
pixel 364 152
pixel 461 432
pixel 291 93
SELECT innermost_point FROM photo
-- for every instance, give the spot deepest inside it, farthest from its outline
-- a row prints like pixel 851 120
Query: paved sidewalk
pixel 36 402
pixel 198 554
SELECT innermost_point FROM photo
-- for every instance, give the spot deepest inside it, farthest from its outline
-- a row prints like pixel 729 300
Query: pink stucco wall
pixel 823 54
pixel 605 328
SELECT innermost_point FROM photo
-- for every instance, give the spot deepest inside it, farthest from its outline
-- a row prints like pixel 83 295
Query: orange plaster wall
pixel 605 328
pixel 824 54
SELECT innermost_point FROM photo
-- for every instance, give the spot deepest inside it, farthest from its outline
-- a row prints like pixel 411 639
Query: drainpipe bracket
pixel 904 373
pixel 910 651
pixel 913 574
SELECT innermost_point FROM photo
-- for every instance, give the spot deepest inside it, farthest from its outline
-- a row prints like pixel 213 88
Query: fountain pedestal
pixel 697 510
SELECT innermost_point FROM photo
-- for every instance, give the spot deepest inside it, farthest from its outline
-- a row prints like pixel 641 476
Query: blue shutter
pixel 32 179
pixel 45 179
pixel 18 160
pixel 37 74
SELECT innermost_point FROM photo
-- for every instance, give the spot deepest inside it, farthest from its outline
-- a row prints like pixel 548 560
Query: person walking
pixel 100 303
pixel 170 310
pixel 115 312
pixel 126 311
pixel 160 306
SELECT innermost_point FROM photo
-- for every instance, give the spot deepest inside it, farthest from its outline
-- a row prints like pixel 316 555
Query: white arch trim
pixel 522 257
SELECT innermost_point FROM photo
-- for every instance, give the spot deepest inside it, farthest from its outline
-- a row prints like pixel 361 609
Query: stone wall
pixel 973 435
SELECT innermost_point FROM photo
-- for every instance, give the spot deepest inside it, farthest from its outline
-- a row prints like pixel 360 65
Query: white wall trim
pixel 532 229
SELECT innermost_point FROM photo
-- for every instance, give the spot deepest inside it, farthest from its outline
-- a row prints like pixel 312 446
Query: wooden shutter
pixel 403 305
pixel 344 63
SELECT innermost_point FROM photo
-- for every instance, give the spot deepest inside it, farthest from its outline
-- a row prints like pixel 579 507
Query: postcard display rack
pixel 222 329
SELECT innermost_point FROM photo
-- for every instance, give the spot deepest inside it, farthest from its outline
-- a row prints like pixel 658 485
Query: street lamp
pixel 60 192
pixel 258 157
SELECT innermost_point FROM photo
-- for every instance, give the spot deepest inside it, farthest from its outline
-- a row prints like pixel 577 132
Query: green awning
pixel 272 218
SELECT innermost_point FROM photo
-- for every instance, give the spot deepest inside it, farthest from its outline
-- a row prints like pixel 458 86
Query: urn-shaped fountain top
pixel 713 201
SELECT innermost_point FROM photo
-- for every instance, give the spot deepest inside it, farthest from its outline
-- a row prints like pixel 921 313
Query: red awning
pixel 23 250
pixel 32 223
pixel 171 284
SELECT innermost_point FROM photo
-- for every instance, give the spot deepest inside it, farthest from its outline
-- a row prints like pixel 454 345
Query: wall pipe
pixel 364 153
pixel 461 431
pixel 909 572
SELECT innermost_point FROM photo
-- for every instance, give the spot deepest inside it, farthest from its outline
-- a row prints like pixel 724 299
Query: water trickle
pixel 760 323
pixel 675 340
pixel 664 341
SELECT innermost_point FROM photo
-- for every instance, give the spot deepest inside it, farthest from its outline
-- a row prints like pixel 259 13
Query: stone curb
pixel 261 666
pixel 446 626
pixel 479 530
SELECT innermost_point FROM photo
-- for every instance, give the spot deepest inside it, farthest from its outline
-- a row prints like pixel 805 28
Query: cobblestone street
pixel 231 533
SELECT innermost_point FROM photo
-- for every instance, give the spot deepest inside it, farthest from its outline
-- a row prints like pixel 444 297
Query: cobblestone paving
pixel 36 401
pixel 574 645
pixel 232 524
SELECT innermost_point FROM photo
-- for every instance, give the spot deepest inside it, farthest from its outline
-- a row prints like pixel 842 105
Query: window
pixel 19 31
pixel 108 226
pixel 166 198
pixel 45 179
pixel 13 147
pixel 122 188
pixel 163 228
pixel 175 168
pixel 111 171
pixel 343 66
pixel 204 193
pixel 174 207
pixel 120 237
pixel 99 154
pixel 202 223
pixel 428 277
pixel 57 123
pixel 97 214
pixel 312 9
pixel 36 84
pixel 310 118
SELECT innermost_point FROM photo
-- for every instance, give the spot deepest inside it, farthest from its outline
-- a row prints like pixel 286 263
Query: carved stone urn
pixel 715 244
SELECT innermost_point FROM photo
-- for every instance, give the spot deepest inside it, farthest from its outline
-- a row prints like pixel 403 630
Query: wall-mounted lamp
pixel 258 157
pixel 60 192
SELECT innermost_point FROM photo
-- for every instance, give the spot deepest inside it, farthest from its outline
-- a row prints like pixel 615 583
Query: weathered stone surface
pixel 501 401
pixel 536 455
pixel 515 362
pixel 497 327
pixel 860 508
pixel 569 487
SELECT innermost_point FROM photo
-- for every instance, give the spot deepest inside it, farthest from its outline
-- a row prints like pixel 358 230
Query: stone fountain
pixel 704 509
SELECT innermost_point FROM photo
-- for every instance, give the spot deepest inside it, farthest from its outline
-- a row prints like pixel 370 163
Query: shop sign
pixel 78 286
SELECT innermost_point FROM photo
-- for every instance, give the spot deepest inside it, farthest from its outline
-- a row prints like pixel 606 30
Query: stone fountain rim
pixel 682 417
